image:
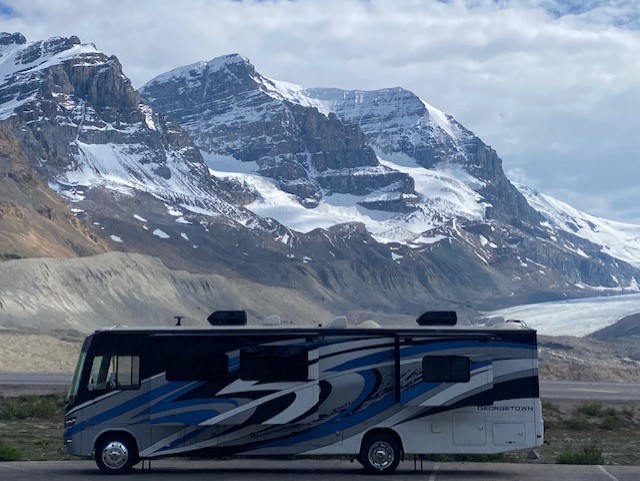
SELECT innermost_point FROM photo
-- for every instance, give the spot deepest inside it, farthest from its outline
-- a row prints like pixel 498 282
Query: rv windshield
pixel 75 382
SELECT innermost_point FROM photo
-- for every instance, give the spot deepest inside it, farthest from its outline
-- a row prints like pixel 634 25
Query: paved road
pixel 36 379
pixel 36 382
pixel 303 470
pixel 589 391
pixel 16 383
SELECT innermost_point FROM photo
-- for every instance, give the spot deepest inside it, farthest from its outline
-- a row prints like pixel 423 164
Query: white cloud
pixel 552 85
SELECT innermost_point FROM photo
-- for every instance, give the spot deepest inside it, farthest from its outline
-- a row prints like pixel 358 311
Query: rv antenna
pixel 178 318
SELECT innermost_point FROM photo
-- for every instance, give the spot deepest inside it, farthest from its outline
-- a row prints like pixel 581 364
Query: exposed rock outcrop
pixel 230 109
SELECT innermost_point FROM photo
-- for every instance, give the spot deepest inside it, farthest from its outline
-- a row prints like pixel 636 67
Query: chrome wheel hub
pixel 381 455
pixel 115 455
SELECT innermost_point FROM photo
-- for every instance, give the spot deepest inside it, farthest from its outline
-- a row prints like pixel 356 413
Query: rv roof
pixel 302 328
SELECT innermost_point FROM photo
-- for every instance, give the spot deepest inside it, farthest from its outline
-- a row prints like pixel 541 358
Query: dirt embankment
pixel 37 353
pixel 48 296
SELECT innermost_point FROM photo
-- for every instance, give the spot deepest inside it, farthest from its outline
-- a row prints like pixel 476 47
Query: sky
pixel 552 85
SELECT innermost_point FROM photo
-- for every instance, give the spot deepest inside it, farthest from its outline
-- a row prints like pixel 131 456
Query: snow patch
pixel 617 239
pixel 296 94
pixel 160 233
pixel 447 190
pixel 219 164
pixel 173 211
pixel 439 118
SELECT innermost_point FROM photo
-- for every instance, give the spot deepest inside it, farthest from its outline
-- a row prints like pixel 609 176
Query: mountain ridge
pixel 391 135
pixel 222 171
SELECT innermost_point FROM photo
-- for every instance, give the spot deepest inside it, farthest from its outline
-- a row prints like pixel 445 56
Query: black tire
pixel 380 454
pixel 116 454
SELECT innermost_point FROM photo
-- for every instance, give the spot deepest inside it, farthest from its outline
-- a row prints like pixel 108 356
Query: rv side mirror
pixel 92 384
pixel 111 381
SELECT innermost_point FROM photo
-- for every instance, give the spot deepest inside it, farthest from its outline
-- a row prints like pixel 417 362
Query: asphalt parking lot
pixel 305 469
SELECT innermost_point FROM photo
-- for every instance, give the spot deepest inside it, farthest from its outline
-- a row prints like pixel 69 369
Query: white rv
pixel 375 394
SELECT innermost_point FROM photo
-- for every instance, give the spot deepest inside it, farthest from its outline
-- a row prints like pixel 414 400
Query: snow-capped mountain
pixel 399 124
pixel 230 110
pixel 617 239
pixel 91 128
pixel 459 192
pixel 365 201
pixel 404 168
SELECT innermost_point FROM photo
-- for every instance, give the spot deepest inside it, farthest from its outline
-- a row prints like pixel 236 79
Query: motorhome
pixel 375 394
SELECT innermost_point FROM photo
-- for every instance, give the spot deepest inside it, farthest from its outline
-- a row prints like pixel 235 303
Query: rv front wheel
pixel 380 454
pixel 116 454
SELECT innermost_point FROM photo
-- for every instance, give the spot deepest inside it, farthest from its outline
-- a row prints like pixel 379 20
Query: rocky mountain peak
pixel 15 38
pixel 23 65
pixel 232 111
pixel 197 78
pixel 75 113
pixel 229 60
pixel 37 53
pixel 396 121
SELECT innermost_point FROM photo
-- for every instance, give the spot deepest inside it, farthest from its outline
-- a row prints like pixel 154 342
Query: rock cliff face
pixel 231 110
pixel 84 136
pixel 456 190
pixel 398 121
pixel 77 114
pixel 34 221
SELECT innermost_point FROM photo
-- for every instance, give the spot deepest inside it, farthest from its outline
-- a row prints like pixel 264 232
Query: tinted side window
pixel 274 363
pixel 197 366
pixel 446 369
pixel 114 372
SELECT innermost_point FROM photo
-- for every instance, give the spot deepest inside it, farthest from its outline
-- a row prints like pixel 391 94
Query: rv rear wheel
pixel 116 454
pixel 380 454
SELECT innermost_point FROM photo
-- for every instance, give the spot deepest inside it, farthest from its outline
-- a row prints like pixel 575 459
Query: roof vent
pixel 338 322
pixel 273 320
pixel 370 324
pixel 228 318
pixel 438 318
